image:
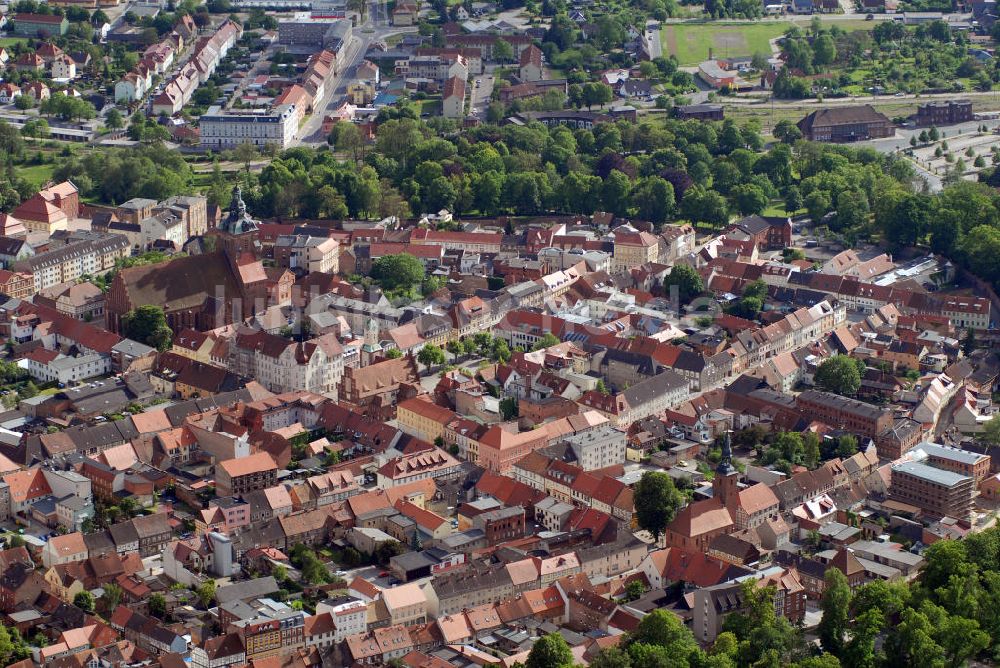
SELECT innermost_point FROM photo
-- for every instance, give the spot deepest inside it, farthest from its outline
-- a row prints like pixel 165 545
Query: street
pixel 348 60
pixel 482 91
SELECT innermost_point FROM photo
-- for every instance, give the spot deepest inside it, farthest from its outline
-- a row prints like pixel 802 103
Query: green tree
pixel 969 343
pixel 991 431
pixel 653 199
pixel 704 206
pixel 749 199
pixel 509 408
pixel 387 550
pixel 245 153
pixel 547 341
pixel 113 119
pixel 824 50
pixel 430 355
pixel 401 271
pixel 157 606
pixel 550 651
pixel 112 595
pixel 611 657
pixel 84 600
pixel 206 592
pixel 847 446
pixel 148 324
pixel 597 94
pixel 393 354
pixel 840 374
pixel 686 279
pixel 503 52
pixel 656 502
pixel 836 605
pixel 859 652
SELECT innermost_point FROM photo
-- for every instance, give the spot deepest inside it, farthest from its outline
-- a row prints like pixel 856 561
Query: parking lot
pixel 965 147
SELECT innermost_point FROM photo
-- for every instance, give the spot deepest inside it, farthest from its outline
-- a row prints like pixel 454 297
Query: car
pixel 870 17
pixel 383 574
pixel 900 94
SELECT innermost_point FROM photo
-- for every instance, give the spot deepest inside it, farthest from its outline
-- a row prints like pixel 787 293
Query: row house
pixel 92 254
pixel 792 332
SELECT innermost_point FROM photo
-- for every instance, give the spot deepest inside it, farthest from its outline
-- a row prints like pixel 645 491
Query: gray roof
pixel 953 454
pixel 247 589
pixel 931 474
pixel 647 390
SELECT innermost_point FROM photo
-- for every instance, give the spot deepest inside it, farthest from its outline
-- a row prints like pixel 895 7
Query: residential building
pixel 946 112
pixel 237 476
pixel 230 128
pixel 937 492
pixel 845 124
pixel 453 100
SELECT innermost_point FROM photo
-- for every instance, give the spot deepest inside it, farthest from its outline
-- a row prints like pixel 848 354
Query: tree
pixel 836 605
pixel 961 639
pixel 85 601
pixel 503 52
pixel 393 354
pixel 634 590
pixel 847 446
pixel 206 592
pixel 23 102
pixel 686 279
pixel 112 595
pixel 550 651
pixel 824 50
pixel 611 657
pixel 114 119
pixel 991 431
pixel 749 199
pixel 12 646
pixel 597 93
pixel 430 355
pixel 387 550
pixel 157 606
pixel 840 374
pixel 786 131
pixel 707 206
pixel 656 502
pixel 401 271
pixel 653 199
pixel 547 341
pixel 245 153
pixel 509 408
pixel 148 324
pixel 969 343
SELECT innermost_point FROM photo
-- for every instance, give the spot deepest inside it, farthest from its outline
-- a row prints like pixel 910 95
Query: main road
pixel 348 60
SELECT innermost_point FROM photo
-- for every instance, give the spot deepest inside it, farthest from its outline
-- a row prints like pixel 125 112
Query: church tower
pixel 725 485
pixel 237 233
pixel 372 347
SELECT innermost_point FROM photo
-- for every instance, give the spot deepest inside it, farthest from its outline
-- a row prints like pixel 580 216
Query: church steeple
pixel 725 486
pixel 725 466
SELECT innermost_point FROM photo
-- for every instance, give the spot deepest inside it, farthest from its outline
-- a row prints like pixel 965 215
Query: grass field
pixel 36 175
pixel 690 42
pixel 11 41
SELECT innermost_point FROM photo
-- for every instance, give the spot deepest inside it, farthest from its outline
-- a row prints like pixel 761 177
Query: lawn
pixel 11 41
pixel 691 42
pixel 36 175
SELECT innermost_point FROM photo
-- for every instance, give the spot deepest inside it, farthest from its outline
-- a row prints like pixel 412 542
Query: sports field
pixel 690 42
